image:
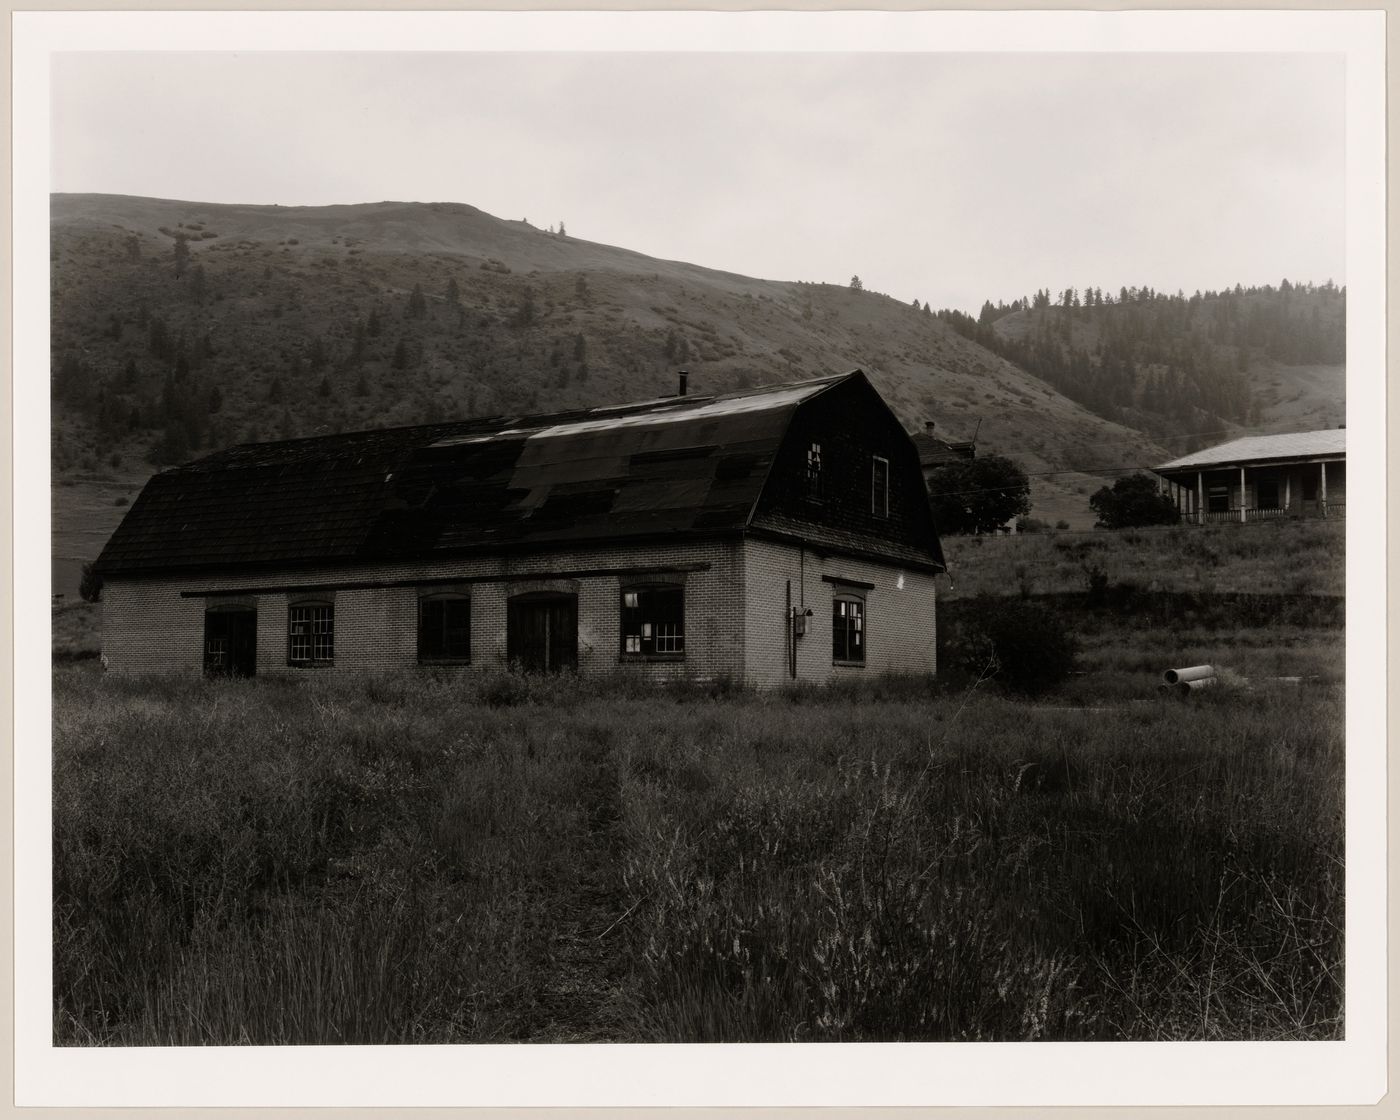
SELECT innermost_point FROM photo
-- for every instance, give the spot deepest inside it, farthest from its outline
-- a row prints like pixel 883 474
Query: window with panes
pixel 653 620
pixel 848 629
pixel 444 628
pixel 814 471
pixel 310 633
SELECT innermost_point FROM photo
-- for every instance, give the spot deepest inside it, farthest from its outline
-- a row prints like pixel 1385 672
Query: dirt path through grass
pixel 583 998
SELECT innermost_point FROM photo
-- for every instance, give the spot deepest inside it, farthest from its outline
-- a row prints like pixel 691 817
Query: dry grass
pixel 417 859
pixel 1258 558
pixel 77 631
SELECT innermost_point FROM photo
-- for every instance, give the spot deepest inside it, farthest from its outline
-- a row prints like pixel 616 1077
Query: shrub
pixel 1096 582
pixel 1033 649
pixel 978 495
pixel 1032 525
pixel 1133 500
pixel 90 584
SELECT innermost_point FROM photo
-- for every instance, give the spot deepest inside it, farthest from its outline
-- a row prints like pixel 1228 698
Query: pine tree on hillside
pixel 182 254
pixel 417 303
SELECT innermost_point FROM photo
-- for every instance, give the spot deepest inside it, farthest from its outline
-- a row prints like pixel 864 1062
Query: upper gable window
pixel 879 486
pixel 311 634
pixel 814 471
pixel 653 620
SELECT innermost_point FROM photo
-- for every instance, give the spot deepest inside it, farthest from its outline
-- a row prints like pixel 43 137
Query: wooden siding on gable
pixel 853 428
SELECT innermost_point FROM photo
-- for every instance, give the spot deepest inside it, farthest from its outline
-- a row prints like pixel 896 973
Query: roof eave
pixel 930 565
pixel 1272 461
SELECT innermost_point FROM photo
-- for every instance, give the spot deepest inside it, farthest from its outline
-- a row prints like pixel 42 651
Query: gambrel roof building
pixel 773 534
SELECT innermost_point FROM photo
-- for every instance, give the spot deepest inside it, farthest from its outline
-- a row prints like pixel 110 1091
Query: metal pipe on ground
pixel 1192 673
pixel 1185 688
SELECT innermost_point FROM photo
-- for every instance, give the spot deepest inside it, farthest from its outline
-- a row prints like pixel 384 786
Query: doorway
pixel 542 632
pixel 230 642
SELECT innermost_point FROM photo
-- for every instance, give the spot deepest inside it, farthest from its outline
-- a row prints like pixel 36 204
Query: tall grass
pixel 1281 557
pixel 487 858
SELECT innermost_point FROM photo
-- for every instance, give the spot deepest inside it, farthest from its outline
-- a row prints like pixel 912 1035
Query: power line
pixel 1040 474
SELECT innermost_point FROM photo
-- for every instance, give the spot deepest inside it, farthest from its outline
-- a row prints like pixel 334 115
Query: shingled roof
pixel 675 467
pixel 1251 449
pixel 935 452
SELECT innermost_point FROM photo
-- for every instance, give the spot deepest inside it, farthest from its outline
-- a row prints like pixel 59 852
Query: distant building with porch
pixel 1299 474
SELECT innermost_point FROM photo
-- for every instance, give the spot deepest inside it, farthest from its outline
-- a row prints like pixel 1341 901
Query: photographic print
pixel 611 545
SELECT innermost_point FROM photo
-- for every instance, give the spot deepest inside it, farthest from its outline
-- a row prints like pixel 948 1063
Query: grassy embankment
pixel 492 858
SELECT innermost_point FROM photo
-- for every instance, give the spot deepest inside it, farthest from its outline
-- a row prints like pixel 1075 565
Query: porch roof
pixel 1329 442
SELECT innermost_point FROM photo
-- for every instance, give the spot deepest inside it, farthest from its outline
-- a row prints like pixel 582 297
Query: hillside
pixel 180 327
pixel 1194 370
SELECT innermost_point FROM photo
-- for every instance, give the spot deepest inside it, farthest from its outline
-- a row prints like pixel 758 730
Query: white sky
pixel 949 178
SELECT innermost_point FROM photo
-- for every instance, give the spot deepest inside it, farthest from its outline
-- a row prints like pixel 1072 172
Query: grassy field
pixel 1271 558
pixel 418 858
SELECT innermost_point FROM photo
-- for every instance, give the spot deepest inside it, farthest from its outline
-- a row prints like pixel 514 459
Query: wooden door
pixel 230 643
pixel 542 632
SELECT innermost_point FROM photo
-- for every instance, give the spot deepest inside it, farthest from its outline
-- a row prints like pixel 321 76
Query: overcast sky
pixel 946 178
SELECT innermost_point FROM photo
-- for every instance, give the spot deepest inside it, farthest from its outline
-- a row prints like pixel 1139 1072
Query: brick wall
pixel 899 614
pixel 734 612
pixel 148 625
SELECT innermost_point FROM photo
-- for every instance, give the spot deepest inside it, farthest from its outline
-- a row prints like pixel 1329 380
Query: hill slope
pixel 179 327
pixel 1212 365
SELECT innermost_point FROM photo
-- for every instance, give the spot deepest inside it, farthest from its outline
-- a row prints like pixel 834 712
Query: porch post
pixel 1200 496
pixel 1288 492
pixel 1322 490
pixel 1242 509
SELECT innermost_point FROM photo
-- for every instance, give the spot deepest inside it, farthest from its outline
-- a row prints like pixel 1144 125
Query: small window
pixel 848 630
pixel 1266 493
pixel 653 621
pixel 444 628
pixel 1218 499
pixel 814 471
pixel 879 486
pixel 311 633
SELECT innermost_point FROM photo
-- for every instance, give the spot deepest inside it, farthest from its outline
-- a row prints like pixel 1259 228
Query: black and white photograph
pixel 579 529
